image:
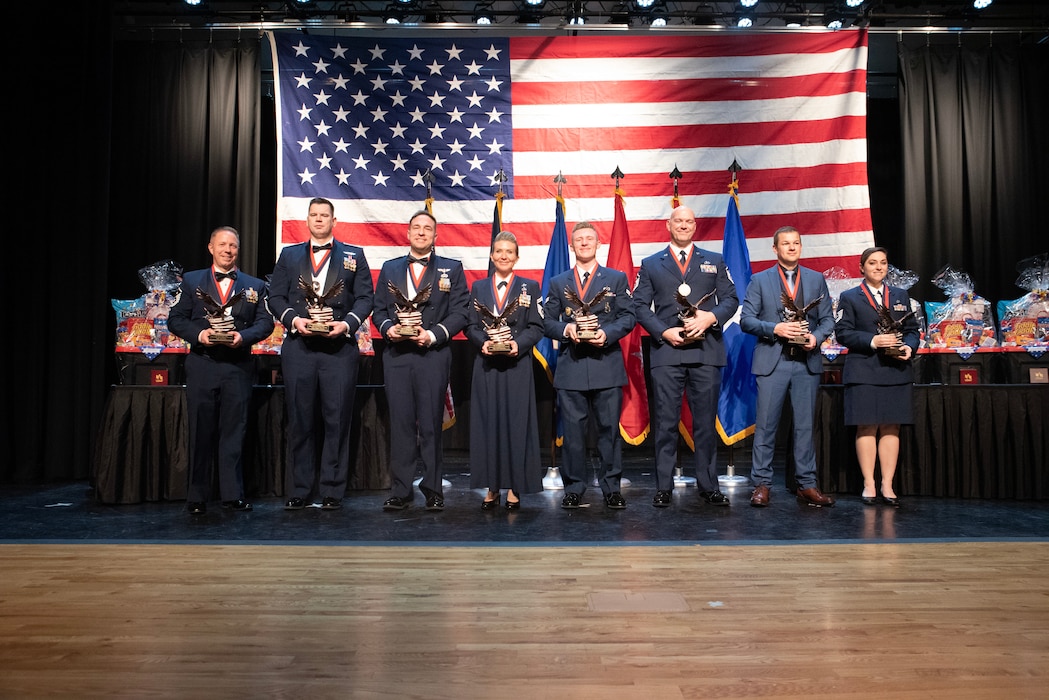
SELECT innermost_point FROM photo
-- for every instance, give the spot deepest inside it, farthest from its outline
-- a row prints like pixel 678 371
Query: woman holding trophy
pixel 504 431
pixel 876 324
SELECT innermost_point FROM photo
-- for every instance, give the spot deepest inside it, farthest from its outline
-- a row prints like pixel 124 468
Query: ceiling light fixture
pixel 483 14
pixel 575 14
pixel 658 15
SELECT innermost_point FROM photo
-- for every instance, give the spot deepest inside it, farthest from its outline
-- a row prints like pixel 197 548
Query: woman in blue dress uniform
pixel 504 428
pixel 878 375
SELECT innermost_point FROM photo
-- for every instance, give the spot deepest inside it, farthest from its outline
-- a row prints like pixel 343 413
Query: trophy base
pixel 689 339
pixel 318 327
pixel 798 340
pixel 500 348
pixel 586 335
pixel 221 338
pixel 408 331
pixel 895 353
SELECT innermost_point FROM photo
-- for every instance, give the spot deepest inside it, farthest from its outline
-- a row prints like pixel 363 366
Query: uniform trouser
pixel 416 388
pixel 325 381
pixel 218 395
pixel 576 408
pixel 701 384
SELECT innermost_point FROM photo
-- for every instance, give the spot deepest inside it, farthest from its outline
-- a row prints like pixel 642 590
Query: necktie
pixel 586 276
pixel 684 256
pixel 501 285
pixel 319 248
pixel 219 276
pixel 790 279
pixel 422 261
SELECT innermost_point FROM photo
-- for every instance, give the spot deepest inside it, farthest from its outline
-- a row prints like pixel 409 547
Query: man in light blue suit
pixel 787 361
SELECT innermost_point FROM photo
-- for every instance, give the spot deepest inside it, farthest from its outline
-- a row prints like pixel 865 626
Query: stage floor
pixel 69 513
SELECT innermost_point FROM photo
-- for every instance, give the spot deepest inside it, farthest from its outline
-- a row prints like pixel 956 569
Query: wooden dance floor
pixel 938 599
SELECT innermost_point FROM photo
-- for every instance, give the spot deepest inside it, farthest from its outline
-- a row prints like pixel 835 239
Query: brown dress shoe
pixel 814 497
pixel 760 497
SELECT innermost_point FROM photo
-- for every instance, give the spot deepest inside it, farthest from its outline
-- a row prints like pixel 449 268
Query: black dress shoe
pixel 869 500
pixel 570 501
pixel 615 501
pixel 891 501
pixel 661 499
pixel 513 505
pixel 197 508
pixel 490 505
pixel 239 504
pixel 434 502
pixel 714 498
pixel 295 504
pixel 395 503
pixel 331 503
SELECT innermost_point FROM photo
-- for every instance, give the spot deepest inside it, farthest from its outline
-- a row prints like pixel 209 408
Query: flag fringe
pixel 635 441
pixel 733 439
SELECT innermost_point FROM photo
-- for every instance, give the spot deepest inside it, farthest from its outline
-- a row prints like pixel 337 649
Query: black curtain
pixel 974 145
pixel 132 152
pixel 187 157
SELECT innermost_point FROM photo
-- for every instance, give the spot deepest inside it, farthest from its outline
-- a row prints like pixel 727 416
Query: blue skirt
pixel 876 404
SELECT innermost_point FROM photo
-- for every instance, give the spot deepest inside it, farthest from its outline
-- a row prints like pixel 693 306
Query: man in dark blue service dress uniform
pixel 420 304
pixel 588 309
pixel 321 290
pixel 221 313
pixel 683 297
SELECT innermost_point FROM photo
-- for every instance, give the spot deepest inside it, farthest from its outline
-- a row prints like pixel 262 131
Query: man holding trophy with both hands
pixel 788 308
pixel 321 290
pixel 420 304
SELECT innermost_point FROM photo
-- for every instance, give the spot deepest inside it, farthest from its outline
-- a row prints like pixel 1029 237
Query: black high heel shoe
pixel 893 501
pixel 869 500
pixel 490 505
pixel 513 505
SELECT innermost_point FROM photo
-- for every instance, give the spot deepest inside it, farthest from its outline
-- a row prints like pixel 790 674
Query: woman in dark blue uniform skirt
pixel 505 325
pixel 874 322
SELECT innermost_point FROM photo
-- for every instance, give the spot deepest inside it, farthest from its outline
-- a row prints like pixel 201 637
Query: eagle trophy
pixel 317 305
pixel 792 313
pixel 495 325
pixel 688 310
pixel 222 324
pixel 585 320
pixel 409 318
pixel 888 324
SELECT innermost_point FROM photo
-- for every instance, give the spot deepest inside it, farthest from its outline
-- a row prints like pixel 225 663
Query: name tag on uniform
pixel 707 267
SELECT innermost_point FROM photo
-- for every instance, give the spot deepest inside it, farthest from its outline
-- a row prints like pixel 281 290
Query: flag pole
pixel 553 481
pixel 617 196
pixel 730 478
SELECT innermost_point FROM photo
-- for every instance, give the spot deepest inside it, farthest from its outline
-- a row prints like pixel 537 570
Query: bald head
pixel 682 226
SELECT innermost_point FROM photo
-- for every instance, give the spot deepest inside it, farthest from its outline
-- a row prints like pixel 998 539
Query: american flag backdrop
pixel 362 119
